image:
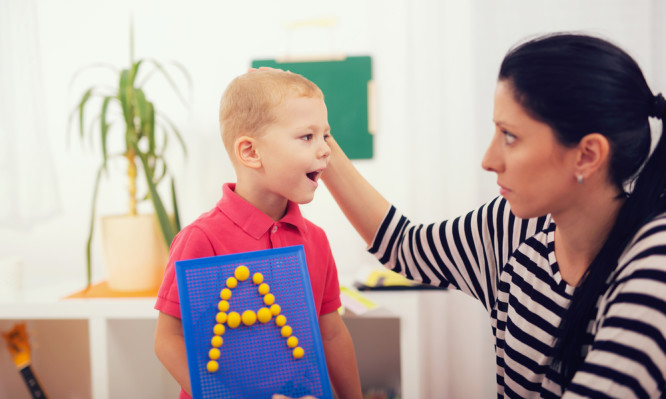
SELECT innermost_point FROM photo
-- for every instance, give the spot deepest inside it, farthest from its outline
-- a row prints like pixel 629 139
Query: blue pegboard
pixel 255 361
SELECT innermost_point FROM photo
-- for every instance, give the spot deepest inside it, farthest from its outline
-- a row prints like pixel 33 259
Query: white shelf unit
pixel 103 348
pixel 86 348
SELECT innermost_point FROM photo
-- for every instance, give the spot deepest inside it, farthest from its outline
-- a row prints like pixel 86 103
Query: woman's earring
pixel 579 178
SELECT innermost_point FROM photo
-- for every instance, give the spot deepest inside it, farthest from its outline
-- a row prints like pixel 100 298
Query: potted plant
pixel 124 108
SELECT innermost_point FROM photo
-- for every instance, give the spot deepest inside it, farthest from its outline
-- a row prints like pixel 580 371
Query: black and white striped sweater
pixel 509 265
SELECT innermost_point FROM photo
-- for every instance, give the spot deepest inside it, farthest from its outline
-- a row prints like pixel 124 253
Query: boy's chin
pixel 304 200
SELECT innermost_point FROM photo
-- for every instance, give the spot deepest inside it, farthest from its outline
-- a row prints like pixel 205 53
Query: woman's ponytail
pixel 645 201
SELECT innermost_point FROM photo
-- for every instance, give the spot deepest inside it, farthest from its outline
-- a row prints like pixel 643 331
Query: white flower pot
pixel 135 254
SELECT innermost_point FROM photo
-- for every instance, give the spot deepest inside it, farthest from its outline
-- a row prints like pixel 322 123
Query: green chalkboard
pixel 345 86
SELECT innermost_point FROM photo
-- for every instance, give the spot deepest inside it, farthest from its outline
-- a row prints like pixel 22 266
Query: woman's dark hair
pixel 578 84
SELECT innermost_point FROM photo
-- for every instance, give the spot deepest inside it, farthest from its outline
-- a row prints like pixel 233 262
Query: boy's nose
pixel 324 151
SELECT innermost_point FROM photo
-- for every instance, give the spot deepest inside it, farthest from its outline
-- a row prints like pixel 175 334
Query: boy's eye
pixel 306 137
pixel 508 137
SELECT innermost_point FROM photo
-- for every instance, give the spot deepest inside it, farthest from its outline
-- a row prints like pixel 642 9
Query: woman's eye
pixel 508 137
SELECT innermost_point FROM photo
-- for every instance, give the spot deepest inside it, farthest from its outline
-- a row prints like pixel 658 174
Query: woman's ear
pixel 245 150
pixel 593 154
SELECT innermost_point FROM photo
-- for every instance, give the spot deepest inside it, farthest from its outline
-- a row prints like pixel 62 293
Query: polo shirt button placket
pixel 274 229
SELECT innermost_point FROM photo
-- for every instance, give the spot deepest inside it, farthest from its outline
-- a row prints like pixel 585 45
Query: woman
pixel 570 261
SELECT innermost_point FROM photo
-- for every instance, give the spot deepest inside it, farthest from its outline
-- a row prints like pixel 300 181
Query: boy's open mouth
pixel 314 176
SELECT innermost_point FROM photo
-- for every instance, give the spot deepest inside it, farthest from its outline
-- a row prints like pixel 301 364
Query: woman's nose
pixel 491 159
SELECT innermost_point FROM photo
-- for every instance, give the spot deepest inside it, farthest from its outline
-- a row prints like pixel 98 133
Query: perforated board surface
pixel 255 360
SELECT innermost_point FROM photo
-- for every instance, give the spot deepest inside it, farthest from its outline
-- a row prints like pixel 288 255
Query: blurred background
pixel 434 68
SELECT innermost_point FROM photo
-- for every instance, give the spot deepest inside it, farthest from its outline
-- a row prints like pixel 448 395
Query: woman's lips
pixel 503 190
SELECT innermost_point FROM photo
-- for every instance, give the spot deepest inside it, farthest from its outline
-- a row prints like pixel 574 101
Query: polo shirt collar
pixel 252 220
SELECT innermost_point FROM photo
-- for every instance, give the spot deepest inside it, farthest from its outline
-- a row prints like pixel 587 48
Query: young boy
pixel 274 127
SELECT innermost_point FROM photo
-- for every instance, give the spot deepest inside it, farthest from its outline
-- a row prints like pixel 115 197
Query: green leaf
pixel 92 228
pixel 150 128
pixel 176 214
pixel 146 113
pixel 82 107
pixel 135 72
pixel 175 131
pixel 157 179
pixel 125 96
pixel 162 216
pixel 104 127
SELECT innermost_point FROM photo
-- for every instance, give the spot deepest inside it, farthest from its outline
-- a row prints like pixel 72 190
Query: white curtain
pixel 28 187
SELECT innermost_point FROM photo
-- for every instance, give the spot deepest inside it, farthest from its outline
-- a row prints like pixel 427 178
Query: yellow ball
pixel 242 273
pixel 218 329
pixel 214 354
pixel 298 352
pixel 212 366
pixel 275 309
pixel 264 315
pixel 216 341
pixel 249 317
pixel 264 289
pixel 232 282
pixel 233 320
pixel 225 293
pixel 286 331
pixel 280 320
pixel 269 299
pixel 292 341
pixel 223 306
pixel 221 317
pixel 258 278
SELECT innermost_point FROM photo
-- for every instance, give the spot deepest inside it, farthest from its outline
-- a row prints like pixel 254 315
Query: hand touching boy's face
pixel 293 150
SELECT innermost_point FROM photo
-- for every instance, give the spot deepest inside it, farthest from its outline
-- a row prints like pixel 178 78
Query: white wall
pixel 435 64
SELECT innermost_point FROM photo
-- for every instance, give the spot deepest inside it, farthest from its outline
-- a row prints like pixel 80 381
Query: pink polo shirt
pixel 235 225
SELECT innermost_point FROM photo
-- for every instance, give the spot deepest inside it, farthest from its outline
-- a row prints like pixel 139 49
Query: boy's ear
pixel 593 154
pixel 245 149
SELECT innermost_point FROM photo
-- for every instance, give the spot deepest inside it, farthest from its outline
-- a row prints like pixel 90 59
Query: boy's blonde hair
pixel 248 103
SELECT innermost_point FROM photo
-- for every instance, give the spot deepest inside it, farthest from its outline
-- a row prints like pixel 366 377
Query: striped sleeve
pixel 466 252
pixel 628 355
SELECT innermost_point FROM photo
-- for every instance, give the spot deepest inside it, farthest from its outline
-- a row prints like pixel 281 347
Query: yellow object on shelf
pixel 387 278
pixel 355 301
